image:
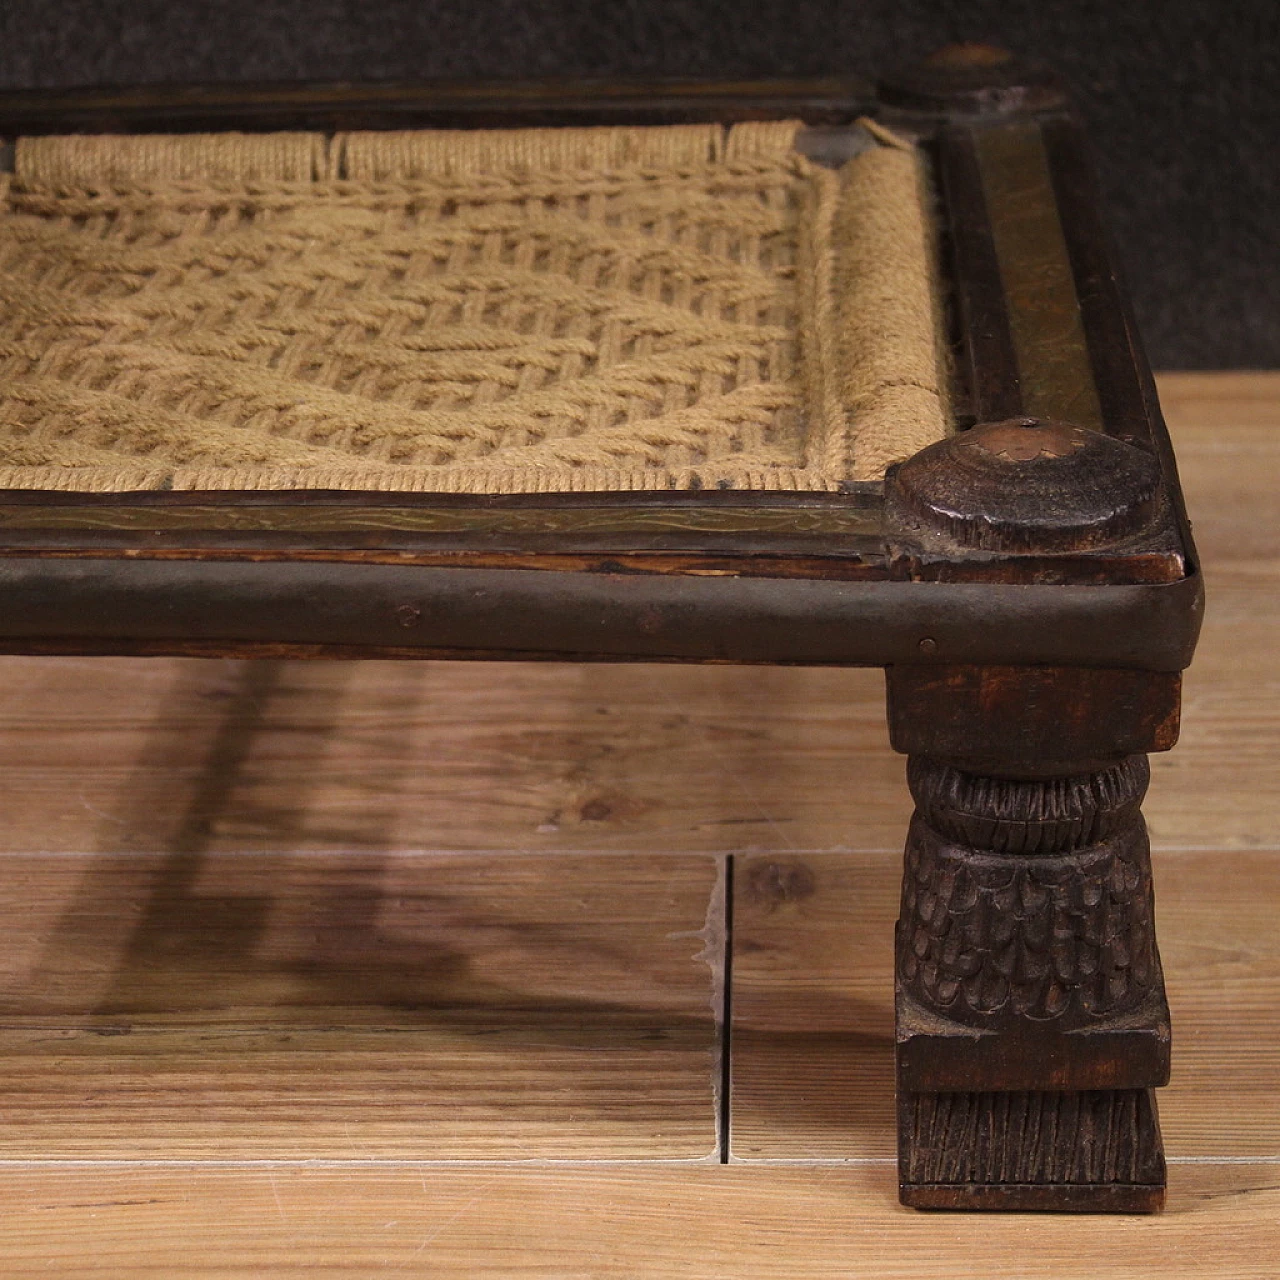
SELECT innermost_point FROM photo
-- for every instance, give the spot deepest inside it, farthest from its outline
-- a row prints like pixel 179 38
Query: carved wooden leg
pixel 1031 1015
pixel 1032 1023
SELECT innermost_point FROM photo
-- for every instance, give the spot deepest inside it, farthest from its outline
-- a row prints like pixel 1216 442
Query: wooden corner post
pixel 1032 1026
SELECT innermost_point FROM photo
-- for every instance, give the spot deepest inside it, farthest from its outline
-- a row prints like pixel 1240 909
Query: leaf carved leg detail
pixel 1032 1024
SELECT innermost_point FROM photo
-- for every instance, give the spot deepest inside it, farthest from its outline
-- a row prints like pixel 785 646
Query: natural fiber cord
pixel 466 312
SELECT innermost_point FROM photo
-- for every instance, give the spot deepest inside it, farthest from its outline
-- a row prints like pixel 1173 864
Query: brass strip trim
pixel 1045 322
pixel 565 521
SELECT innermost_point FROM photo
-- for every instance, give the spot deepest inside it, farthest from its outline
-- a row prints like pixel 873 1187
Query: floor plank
pixel 1220 787
pixel 812 1061
pixel 120 754
pixel 805 1224
pixel 812 1010
pixel 454 1007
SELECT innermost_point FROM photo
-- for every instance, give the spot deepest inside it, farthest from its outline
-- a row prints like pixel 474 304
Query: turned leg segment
pixel 1032 1023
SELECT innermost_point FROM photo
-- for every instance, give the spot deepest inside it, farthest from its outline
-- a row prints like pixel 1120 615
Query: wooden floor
pixel 391 969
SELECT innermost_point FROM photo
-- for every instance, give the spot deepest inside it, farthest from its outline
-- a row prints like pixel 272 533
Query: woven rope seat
pixel 521 311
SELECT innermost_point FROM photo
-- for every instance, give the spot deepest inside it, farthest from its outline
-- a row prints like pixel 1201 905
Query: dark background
pixel 1182 97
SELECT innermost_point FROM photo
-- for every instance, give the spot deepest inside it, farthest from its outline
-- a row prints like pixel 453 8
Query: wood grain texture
pixel 1003 1140
pixel 1220 788
pixel 113 754
pixel 579 1224
pixel 198 1006
pixel 1216 919
pixel 812 1034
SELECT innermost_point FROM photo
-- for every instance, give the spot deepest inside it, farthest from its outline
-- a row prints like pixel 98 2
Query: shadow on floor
pixel 539 950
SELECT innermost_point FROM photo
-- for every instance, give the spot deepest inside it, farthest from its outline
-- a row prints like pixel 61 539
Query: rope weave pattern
pixel 489 311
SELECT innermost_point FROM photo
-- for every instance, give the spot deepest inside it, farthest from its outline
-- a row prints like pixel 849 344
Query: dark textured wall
pixel 1183 97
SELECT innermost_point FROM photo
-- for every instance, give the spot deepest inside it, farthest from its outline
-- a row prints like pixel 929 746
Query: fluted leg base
pixel 1096 1151
pixel 1032 1026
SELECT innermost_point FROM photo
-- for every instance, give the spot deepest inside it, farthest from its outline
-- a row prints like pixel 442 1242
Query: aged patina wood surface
pixel 441 104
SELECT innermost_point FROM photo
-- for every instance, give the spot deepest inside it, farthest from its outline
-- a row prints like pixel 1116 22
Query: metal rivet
pixel 928 646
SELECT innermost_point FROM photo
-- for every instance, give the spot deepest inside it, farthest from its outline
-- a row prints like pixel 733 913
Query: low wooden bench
pixel 801 373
